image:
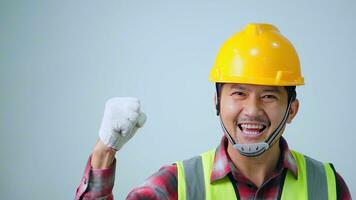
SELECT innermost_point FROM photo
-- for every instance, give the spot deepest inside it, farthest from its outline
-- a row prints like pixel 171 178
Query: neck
pixel 256 169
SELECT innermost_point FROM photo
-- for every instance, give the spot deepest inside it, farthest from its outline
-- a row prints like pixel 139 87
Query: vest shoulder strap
pixel 316 180
pixel 191 179
pixel 194 180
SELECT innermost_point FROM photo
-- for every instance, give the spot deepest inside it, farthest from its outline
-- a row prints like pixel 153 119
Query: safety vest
pixel 315 180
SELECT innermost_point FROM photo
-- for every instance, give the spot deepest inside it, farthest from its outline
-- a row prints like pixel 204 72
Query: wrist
pixel 102 156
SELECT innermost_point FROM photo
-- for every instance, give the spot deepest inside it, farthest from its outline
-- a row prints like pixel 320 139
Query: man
pixel 255 72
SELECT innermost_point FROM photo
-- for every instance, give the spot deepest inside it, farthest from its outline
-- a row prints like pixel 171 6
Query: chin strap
pixel 256 149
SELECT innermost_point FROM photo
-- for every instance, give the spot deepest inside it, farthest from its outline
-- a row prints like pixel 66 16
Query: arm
pixel 96 183
pixel 122 118
pixel 102 156
pixel 161 185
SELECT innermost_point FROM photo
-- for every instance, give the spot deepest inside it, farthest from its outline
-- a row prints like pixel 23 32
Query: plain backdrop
pixel 61 60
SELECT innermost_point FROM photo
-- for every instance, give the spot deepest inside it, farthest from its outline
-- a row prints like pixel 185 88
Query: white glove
pixel 122 117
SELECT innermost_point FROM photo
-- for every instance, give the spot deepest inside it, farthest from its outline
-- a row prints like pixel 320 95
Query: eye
pixel 269 97
pixel 238 93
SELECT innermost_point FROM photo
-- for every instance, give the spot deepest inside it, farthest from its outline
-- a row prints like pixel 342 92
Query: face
pixel 252 112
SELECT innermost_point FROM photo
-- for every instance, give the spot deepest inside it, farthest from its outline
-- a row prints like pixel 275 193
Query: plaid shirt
pixel 98 184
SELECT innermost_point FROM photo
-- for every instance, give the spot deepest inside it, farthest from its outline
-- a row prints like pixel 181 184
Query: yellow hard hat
pixel 260 55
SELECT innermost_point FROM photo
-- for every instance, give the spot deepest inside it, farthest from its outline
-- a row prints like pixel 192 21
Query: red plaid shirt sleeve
pixel 161 185
pixel 98 184
pixel 343 190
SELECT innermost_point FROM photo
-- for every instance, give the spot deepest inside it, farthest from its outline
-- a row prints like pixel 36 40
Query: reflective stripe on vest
pixel 315 180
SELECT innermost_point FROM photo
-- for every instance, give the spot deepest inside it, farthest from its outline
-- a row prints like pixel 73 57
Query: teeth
pixel 252 129
pixel 251 133
pixel 254 126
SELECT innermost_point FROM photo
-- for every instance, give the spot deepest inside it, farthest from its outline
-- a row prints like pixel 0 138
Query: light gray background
pixel 61 60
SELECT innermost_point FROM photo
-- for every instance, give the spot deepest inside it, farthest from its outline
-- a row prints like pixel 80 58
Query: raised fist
pixel 122 117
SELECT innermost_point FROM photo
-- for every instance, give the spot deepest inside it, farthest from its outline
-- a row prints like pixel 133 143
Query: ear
pixel 215 99
pixel 293 110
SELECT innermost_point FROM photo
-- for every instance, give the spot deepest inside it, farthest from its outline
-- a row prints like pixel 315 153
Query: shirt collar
pixel 221 166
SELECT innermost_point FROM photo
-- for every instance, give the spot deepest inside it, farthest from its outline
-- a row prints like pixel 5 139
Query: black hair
pixel 291 92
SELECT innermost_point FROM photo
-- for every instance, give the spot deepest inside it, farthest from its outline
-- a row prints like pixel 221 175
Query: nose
pixel 252 107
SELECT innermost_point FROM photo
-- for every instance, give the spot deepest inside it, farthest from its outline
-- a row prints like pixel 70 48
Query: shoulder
pixel 160 185
pixel 343 192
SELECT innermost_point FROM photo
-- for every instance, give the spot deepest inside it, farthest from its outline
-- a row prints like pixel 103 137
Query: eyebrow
pixel 268 89
pixel 274 90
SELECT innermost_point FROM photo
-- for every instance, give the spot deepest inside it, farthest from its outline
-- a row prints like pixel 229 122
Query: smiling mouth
pixel 252 129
